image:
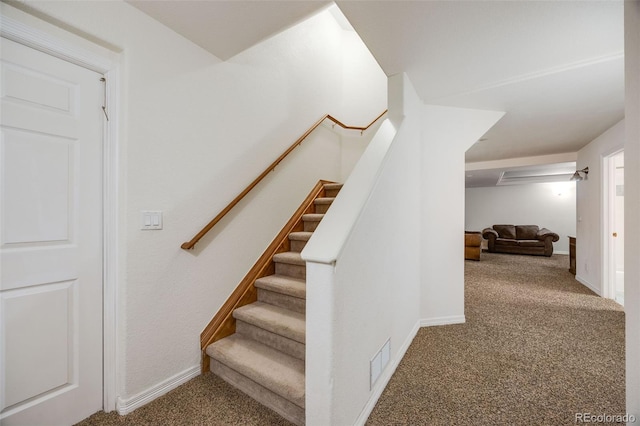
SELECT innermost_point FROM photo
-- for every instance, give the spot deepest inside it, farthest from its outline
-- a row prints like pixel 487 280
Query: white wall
pixel 446 134
pixel 360 73
pixel 632 203
pixel 589 206
pixel 353 145
pixel 195 131
pixel 548 205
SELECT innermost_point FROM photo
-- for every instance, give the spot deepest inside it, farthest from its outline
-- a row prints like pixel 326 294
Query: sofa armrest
pixel 489 233
pixel 544 233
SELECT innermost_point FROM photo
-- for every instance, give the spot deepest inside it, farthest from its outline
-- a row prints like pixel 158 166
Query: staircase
pixel 265 357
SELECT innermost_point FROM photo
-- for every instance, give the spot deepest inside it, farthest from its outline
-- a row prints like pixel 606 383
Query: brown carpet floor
pixel 537 348
pixel 205 400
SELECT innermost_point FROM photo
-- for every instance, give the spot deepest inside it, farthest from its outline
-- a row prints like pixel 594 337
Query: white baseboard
pixel 453 319
pixel 125 406
pixel 560 252
pixel 384 378
pixel 587 284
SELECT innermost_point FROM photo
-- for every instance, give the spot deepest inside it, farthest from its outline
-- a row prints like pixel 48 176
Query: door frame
pixel 608 211
pixel 108 66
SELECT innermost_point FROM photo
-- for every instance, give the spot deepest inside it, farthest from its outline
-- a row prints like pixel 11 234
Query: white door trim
pixel 41 40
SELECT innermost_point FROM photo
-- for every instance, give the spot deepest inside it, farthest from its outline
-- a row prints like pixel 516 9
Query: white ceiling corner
pixel 226 28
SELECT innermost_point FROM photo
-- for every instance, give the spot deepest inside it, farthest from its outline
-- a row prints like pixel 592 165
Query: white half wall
pixel 589 206
pixel 362 290
pixel 446 134
pixel 632 203
pixel 548 205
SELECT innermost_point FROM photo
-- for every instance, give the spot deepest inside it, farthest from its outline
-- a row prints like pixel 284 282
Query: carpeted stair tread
pixel 322 204
pixel 284 285
pixel 332 185
pixel 332 189
pixel 290 257
pixel 300 236
pixel 313 217
pixel 278 372
pixel 324 200
pixel 283 322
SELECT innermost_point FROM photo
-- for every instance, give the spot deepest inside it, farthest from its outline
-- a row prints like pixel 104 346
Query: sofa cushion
pixel 527 232
pixel 530 243
pixel 506 242
pixel 506 231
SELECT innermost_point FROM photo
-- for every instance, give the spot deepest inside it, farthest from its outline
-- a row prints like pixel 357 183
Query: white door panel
pixel 27 267
pixel 45 313
pixel 25 86
pixel 50 239
pixel 38 186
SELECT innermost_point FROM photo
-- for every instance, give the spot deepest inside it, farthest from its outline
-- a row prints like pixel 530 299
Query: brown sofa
pixel 520 239
pixel 472 243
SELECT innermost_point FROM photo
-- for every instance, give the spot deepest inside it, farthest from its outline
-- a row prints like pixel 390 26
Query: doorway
pixel 52 238
pixel 95 61
pixel 613 237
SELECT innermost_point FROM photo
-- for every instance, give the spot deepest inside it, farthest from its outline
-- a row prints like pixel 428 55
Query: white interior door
pixel 618 221
pixel 50 239
pixel 613 200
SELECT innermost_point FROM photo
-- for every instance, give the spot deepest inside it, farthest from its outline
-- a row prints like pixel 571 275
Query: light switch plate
pixel 150 220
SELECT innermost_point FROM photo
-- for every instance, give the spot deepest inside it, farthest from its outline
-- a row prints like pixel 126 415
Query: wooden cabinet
pixel 572 255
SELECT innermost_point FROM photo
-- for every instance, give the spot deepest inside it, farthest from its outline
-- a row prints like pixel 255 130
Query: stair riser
pixel 281 343
pixel 295 271
pixel 297 290
pixel 294 304
pixel 311 225
pixel 297 246
pixel 280 405
pixel 331 192
pixel 322 208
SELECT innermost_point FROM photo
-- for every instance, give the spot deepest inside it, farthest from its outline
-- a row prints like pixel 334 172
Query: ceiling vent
pixel 519 177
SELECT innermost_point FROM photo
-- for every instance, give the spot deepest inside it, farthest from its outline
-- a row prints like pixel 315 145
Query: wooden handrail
pixel 190 244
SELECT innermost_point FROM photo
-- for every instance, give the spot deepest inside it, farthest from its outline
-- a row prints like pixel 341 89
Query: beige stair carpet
pixel 265 356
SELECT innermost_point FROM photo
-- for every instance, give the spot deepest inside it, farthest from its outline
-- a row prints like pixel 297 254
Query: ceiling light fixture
pixel 578 177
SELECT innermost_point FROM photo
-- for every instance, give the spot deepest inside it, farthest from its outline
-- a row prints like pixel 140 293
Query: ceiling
pixel 555 67
pixel 226 28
